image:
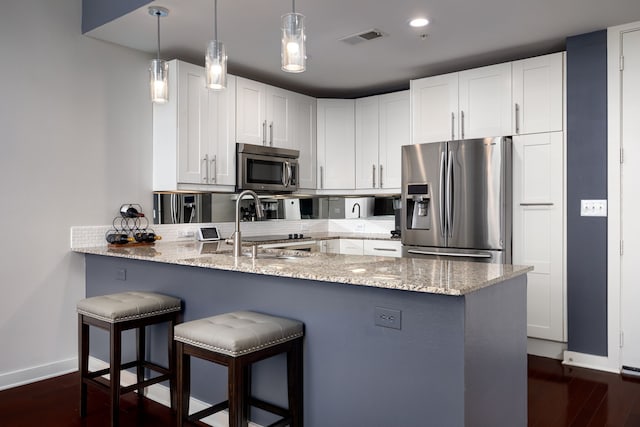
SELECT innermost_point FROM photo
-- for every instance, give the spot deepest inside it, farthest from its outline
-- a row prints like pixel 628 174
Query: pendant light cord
pixel 215 20
pixel 158 16
pixel 293 6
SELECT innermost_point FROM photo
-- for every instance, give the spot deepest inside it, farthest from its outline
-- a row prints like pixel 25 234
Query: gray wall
pixel 586 179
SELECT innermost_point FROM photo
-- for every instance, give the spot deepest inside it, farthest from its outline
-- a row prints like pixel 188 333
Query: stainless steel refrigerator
pixel 456 199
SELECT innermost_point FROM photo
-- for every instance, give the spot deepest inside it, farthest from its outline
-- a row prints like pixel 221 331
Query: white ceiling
pixel 462 34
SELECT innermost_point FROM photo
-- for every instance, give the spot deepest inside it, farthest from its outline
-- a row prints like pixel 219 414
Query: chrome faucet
pixel 237 237
pixel 353 209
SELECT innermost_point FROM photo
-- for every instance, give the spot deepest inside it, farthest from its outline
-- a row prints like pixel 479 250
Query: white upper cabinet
pixel 264 114
pixel 538 94
pixel 382 127
pixel 538 229
pixel 194 133
pixel 304 139
pixel 336 144
pixel 484 101
pixel 434 108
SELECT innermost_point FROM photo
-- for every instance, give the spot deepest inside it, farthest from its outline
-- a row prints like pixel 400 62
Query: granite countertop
pixel 406 274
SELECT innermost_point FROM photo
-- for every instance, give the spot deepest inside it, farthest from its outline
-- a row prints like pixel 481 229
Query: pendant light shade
pixel 293 52
pixel 159 69
pixel 216 58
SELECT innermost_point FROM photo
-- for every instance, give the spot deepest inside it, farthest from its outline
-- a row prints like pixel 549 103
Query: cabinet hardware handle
pixel 453 126
pixel 380 178
pixel 537 204
pixel 321 178
pixel 517 118
pixel 206 167
pixel 214 165
pixel 385 249
pixel 373 177
pixel 461 124
pixel 264 132
pixel 271 134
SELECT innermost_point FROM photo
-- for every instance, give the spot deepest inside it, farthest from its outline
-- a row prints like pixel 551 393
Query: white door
pixel 630 202
pixel 279 118
pixel 193 130
pixel 537 94
pixel 538 229
pixel 485 101
pixel 434 109
pixel 394 129
pixel 251 122
pixel 336 144
pixel 367 143
pixel 304 123
pixel 222 134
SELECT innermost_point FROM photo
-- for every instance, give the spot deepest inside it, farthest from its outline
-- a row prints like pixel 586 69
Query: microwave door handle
pixel 285 181
pixel 289 174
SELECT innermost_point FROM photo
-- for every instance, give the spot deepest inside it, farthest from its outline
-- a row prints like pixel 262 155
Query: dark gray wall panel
pixel 98 12
pixel 586 179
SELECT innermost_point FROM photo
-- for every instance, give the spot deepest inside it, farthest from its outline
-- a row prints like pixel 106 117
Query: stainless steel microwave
pixel 266 169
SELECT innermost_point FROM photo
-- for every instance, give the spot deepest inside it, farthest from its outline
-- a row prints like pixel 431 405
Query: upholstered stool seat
pixel 116 313
pixel 237 340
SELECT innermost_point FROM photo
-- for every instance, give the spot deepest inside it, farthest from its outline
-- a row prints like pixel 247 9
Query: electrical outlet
pixel 360 227
pixel 593 208
pixel 304 227
pixel 121 274
pixel 190 232
pixel 388 318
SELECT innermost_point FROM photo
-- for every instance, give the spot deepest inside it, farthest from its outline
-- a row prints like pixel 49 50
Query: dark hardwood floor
pixel 558 396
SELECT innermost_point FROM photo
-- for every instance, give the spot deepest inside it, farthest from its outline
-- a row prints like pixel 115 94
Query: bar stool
pixel 117 313
pixel 236 340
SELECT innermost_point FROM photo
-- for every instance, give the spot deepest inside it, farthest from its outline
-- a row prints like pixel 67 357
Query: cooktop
pixel 296 236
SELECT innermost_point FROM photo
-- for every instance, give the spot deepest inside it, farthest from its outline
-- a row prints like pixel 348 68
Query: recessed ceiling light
pixel 419 22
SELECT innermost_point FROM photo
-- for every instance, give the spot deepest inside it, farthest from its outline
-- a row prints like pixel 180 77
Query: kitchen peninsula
pixel 454 353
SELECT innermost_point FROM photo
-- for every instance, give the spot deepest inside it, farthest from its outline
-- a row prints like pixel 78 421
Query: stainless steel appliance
pixel 269 169
pixel 181 208
pixel 456 197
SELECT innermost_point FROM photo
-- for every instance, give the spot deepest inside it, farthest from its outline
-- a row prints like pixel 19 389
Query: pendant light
pixel 159 69
pixel 216 57
pixel 294 59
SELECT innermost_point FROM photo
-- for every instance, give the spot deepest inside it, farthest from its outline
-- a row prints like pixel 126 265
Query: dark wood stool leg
pixel 295 383
pixel 238 404
pixel 83 361
pixel 173 395
pixel 115 333
pixel 183 383
pixel 140 357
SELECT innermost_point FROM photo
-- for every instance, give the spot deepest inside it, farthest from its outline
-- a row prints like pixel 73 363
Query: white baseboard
pixel 37 373
pixel 589 361
pixel 160 393
pixel 545 348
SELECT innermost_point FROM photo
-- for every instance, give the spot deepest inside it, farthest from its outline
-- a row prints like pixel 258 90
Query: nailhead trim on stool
pixel 116 313
pixel 237 340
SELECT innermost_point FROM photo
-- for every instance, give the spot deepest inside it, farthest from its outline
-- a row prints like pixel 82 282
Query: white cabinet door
pixel 538 94
pixel 351 246
pixel 391 248
pixel 330 246
pixel 336 144
pixel 538 230
pixel 367 143
pixel 193 124
pixel 434 108
pixel 304 138
pixel 251 117
pixel 279 116
pixel 485 101
pixel 222 134
pixel 394 129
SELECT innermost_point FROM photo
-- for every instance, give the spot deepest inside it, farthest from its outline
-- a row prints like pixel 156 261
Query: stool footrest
pixel 196 416
pixel 145 383
pixel 266 406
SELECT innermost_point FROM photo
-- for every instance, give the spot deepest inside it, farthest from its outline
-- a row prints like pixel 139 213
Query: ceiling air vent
pixel 363 37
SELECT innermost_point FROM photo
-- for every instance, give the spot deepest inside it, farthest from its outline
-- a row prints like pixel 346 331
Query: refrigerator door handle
pixel 452 254
pixel 450 193
pixel 442 178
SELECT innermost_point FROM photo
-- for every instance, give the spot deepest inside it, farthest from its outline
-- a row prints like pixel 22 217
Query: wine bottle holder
pixel 131 227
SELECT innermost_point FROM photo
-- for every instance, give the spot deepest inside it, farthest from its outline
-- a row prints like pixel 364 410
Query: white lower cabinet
pixel 392 248
pixel 351 246
pixel 538 230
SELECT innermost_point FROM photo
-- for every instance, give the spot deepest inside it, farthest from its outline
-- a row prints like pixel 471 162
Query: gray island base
pixel 455 361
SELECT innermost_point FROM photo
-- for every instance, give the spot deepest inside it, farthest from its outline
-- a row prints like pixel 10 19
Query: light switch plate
pixel 593 208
